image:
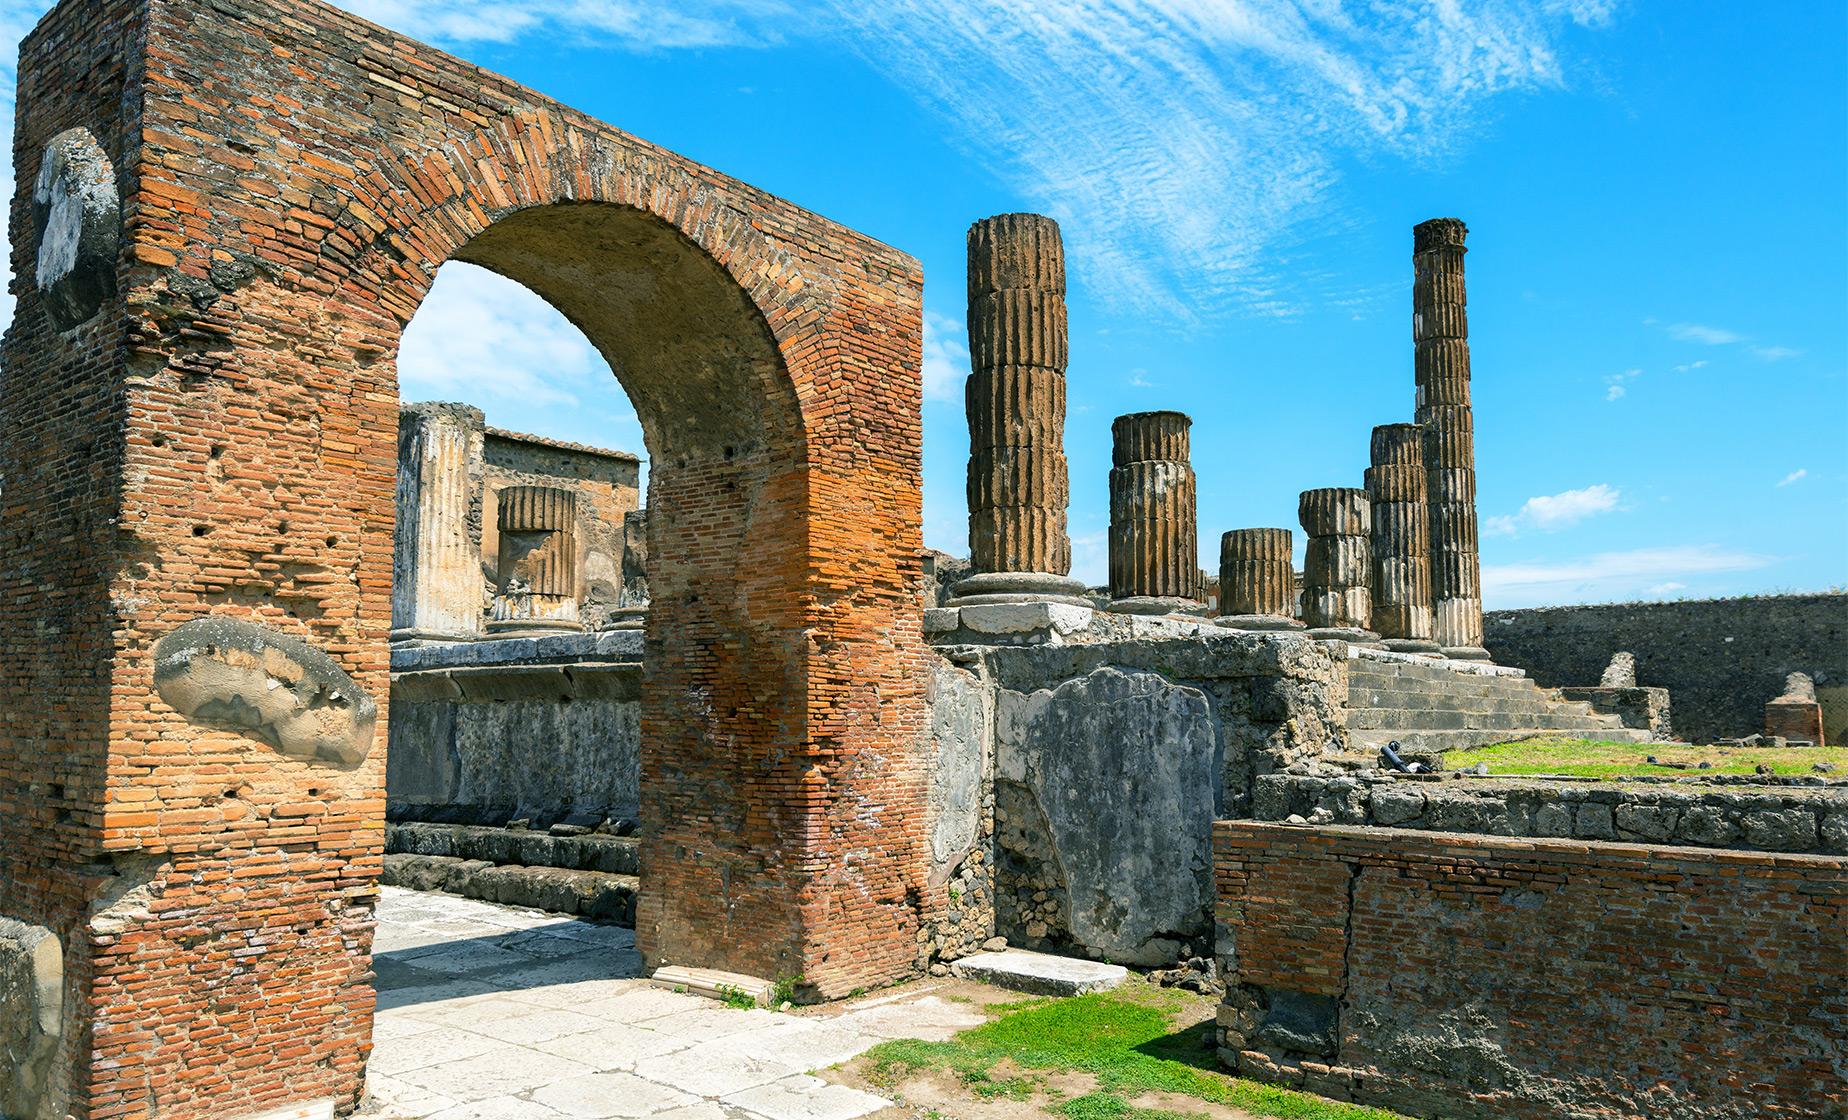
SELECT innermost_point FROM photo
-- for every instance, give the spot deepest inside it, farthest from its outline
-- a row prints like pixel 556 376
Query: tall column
pixel 1338 569
pixel 1440 330
pixel 1396 489
pixel 1154 541
pixel 1257 580
pixel 537 564
pixel 1018 482
pixel 436 570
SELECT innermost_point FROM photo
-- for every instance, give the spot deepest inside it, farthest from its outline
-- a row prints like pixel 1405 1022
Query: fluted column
pixel 1018 481
pixel 537 563
pixel 436 567
pixel 631 610
pixel 1257 580
pixel 1338 569
pixel 1396 490
pixel 1440 330
pixel 1154 542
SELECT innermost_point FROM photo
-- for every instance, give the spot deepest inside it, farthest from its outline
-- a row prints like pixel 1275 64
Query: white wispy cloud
pixel 1797 475
pixel 1776 353
pixel 1615 389
pixel 946 357
pixel 1552 512
pixel 1611 575
pixel 482 338
pixel 1690 367
pixel 633 26
pixel 1703 334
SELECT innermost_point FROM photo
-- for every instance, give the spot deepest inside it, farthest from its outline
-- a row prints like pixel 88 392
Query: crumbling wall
pixel 1110 762
pixel 1479 977
pixel 1721 660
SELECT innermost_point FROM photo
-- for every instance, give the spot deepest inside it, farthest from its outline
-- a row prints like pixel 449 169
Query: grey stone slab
pixel 806 1098
pixel 498 1108
pixel 1040 973
pixel 431 1047
pixel 506 1071
pixel 543 1025
pixel 597 1096
pixel 615 1046
pixel 713 1069
pixel 807 1044
pixel 930 1018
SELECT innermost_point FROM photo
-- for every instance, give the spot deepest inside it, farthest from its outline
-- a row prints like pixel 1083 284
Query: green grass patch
pixel 1586 758
pixel 1126 1039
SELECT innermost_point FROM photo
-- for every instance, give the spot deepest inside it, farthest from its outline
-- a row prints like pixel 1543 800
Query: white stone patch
pixel 1040 973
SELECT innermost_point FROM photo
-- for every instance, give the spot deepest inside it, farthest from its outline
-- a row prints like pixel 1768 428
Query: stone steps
pixel 585 851
pixel 1429 709
pixel 590 894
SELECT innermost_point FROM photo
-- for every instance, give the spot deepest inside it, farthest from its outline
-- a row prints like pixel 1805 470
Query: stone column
pixel 1338 569
pixel 1440 330
pixel 1396 489
pixel 536 569
pixel 631 611
pixel 436 571
pixel 1018 484
pixel 1154 541
pixel 1257 580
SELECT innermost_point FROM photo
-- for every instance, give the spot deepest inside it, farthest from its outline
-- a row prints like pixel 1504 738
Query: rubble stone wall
pixel 1721 660
pixel 1470 976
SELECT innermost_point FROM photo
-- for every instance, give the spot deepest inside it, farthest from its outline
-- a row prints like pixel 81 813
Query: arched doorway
pixel 213 446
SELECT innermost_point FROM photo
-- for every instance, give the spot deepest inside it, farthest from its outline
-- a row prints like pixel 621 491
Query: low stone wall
pixel 1772 816
pixel 1088 778
pixel 1474 976
pixel 1722 660
pixel 542 730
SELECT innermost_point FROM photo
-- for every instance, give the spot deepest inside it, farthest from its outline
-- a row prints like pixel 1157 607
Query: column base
pixel 1018 587
pixel 518 627
pixel 1352 635
pixel 1258 622
pixel 413 634
pixel 628 618
pixel 1423 647
pixel 1157 605
pixel 1466 653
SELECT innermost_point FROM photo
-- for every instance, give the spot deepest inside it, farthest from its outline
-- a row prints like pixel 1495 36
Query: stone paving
pixel 489 1012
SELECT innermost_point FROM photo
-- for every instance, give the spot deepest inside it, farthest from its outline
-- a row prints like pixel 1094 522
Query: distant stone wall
pixel 544 730
pixel 1722 660
pixel 1480 977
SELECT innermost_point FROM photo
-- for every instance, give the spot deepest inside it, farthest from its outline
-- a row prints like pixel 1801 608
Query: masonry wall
pixel 1720 659
pixel 1471 976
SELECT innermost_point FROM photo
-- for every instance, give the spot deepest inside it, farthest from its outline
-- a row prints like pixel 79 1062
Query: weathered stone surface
pixel 1401 581
pixel 1040 973
pixel 244 676
pixel 1154 543
pixel 436 563
pixel 1257 573
pixel 31 1022
pixel 1646 709
pixel 959 728
pixel 538 561
pixel 1796 715
pixel 1134 851
pixel 1621 672
pixel 1338 565
pixel 1441 333
pixel 77 214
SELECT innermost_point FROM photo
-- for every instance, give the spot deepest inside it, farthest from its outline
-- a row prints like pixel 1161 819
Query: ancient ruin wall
pixel 1722 660
pixel 1478 977
pixel 217 440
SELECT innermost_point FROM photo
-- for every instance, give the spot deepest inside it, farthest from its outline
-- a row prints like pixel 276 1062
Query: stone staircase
pixel 1431 707
pixel 591 874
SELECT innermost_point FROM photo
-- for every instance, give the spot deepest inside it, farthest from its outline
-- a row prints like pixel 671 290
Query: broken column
pixel 1396 490
pixel 1338 567
pixel 1154 543
pixel 1257 580
pixel 1440 331
pixel 536 570
pixel 1018 485
pixel 436 570
pixel 631 611
pixel 1796 715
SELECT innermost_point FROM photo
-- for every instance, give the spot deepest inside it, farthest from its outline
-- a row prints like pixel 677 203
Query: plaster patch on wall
pixel 78 216
pixel 247 677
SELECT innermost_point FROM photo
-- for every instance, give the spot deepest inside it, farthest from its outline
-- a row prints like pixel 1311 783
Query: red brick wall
pixel 1476 976
pixel 221 441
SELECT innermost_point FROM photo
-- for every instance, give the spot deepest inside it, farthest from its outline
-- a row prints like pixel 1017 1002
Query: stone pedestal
pixel 436 567
pixel 537 565
pixel 1338 567
pixel 1440 331
pixel 1796 715
pixel 1154 543
pixel 1257 580
pixel 1396 490
pixel 1018 480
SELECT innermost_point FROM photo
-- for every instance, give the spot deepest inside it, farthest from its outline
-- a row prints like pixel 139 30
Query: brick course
pixel 221 440
pixel 1476 976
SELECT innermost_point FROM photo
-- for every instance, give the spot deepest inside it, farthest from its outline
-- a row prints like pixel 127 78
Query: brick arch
pixel 218 442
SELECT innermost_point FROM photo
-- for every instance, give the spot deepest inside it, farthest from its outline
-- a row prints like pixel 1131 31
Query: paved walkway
pixel 489 1012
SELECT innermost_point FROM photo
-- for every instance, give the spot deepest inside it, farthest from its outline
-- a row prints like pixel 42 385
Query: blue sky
pixel 1657 195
